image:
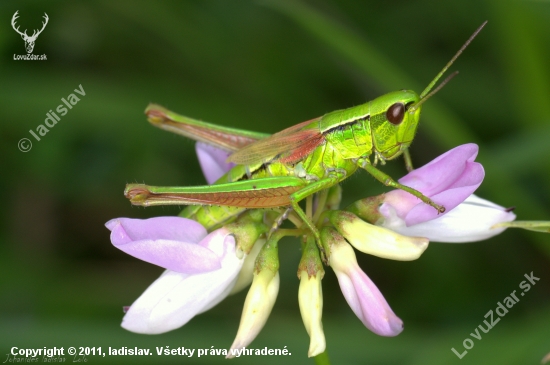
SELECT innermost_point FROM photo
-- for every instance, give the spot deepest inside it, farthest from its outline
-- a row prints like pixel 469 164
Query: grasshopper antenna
pixel 439 87
pixel 426 94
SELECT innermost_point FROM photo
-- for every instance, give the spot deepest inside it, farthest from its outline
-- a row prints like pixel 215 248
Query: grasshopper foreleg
pixel 388 181
pixel 408 160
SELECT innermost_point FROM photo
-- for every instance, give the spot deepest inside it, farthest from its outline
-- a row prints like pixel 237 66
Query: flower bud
pixel 376 240
pixel 310 297
pixel 260 298
pixel 362 295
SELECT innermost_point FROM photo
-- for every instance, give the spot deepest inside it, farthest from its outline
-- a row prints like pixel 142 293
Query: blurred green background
pixel 266 65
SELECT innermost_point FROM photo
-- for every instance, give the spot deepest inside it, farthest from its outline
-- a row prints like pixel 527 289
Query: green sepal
pixel 247 229
pixel 268 258
pixel 368 208
pixel 311 260
pixel 329 238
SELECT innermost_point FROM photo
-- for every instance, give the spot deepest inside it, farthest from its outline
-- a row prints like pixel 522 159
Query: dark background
pixel 266 65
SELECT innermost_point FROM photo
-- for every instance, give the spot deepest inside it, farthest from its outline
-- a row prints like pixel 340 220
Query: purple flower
pixel 475 219
pixel 362 295
pixel 448 181
pixel 212 161
pixel 202 269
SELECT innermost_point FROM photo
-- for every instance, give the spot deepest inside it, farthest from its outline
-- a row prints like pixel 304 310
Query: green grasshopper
pixel 285 168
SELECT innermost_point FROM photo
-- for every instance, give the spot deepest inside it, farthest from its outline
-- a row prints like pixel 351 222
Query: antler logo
pixel 29 41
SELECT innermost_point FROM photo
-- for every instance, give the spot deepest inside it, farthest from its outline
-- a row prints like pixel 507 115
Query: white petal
pixel 174 298
pixel 470 221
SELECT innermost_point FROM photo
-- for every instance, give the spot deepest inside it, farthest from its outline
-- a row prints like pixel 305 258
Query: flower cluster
pixel 202 268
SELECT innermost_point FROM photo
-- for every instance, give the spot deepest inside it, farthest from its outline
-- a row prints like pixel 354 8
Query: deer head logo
pixel 29 41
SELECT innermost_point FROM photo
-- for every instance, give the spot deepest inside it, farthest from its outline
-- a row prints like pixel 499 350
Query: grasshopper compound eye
pixel 396 113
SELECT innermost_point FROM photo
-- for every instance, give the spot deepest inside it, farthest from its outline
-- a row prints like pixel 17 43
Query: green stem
pixel 537 226
pixel 322 359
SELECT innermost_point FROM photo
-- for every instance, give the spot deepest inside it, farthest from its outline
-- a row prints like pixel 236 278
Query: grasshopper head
pixel 392 124
pixel 394 116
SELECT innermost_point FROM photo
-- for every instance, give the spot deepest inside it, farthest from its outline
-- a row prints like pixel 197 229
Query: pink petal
pixel 182 257
pixel 362 295
pixel 447 180
pixel 441 172
pixel 377 314
pixel 450 198
pixel 124 230
pixel 368 303
pixel 212 161
pixel 169 242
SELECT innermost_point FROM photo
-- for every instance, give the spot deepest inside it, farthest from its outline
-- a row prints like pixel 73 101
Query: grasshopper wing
pixel 229 139
pixel 288 146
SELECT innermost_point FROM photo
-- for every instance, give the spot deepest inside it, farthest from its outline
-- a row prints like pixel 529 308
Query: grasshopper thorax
pixel 384 127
